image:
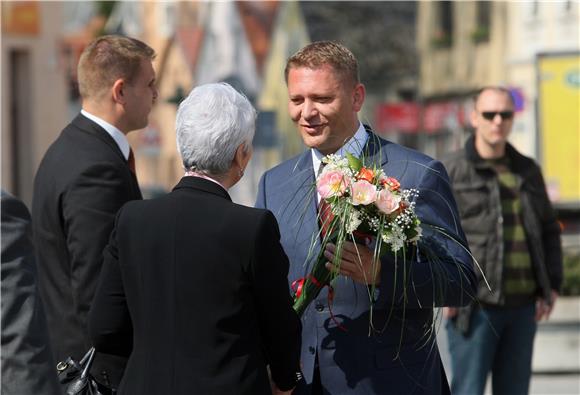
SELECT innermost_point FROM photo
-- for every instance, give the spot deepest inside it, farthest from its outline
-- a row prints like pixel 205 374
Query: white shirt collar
pixel 115 133
pixel 201 175
pixel 354 146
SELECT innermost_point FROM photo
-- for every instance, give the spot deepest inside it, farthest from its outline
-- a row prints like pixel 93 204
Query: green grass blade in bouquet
pixel 308 288
pixel 311 286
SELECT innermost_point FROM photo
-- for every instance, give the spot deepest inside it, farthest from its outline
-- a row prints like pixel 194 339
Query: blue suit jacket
pixel 397 352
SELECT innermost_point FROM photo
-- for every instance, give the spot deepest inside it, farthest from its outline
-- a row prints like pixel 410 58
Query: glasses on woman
pixel 490 115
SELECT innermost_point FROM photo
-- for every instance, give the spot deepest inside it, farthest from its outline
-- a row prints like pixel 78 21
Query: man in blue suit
pixel 345 348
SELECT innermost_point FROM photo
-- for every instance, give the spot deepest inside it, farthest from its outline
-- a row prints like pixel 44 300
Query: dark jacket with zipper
pixel 476 189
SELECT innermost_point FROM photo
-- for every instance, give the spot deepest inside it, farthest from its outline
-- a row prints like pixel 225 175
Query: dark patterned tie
pixel 325 217
pixel 131 162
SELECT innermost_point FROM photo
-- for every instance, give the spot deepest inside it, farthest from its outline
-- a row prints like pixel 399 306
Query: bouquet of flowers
pixel 360 204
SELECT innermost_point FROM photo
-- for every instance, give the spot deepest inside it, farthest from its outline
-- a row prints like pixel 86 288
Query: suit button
pixel 311 350
pixel 319 306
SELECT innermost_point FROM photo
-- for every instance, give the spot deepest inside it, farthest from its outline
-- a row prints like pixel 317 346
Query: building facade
pixel 34 89
pixel 531 48
pixel 462 47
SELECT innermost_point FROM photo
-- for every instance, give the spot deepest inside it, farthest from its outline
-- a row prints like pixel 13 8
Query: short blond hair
pixel 107 59
pixel 321 53
pixel 494 88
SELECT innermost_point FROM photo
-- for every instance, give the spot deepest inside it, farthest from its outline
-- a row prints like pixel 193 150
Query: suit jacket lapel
pixel 304 183
pixel 90 127
pixel 86 125
pixel 374 152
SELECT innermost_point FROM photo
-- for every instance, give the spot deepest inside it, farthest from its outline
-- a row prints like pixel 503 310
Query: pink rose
pixel 363 192
pixel 387 201
pixel 331 183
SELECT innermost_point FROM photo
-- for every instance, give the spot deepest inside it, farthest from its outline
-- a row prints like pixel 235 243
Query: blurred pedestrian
pixel 86 175
pixel 193 286
pixel 371 344
pixel 27 363
pixel 513 233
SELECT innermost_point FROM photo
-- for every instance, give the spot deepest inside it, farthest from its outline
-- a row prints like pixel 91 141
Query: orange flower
pixel 365 174
pixel 392 183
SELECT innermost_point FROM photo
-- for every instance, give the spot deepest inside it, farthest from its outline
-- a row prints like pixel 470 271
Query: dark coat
pixel 476 188
pixel 401 356
pixel 80 185
pixel 194 289
pixel 27 363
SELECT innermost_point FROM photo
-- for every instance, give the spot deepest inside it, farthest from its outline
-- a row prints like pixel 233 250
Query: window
pixel 483 9
pixel 533 8
pixel 443 37
pixel 20 133
pixel 483 16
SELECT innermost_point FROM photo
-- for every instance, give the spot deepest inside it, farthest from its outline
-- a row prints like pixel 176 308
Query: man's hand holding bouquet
pixel 359 207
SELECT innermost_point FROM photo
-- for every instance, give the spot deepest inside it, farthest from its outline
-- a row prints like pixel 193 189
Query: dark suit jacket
pixel 194 289
pixel 27 363
pixel 80 185
pixel 398 355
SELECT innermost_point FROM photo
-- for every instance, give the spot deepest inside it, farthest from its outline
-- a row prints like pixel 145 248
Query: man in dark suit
pixel 27 363
pixel 343 350
pixel 193 286
pixel 86 175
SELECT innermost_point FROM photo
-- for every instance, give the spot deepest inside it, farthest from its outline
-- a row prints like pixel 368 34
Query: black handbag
pixel 75 377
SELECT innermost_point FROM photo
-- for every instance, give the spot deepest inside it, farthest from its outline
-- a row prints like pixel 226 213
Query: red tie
pixel 325 217
pixel 131 162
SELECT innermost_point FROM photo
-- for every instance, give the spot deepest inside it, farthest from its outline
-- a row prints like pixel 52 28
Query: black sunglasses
pixel 490 115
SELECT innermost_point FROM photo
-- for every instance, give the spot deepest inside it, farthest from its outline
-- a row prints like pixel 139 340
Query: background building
pixel 543 62
pixel 462 47
pixel 533 49
pixel 34 89
pixel 420 61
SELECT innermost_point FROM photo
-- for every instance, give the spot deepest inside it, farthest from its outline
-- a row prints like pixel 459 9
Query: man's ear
pixel 118 90
pixel 358 97
pixel 473 118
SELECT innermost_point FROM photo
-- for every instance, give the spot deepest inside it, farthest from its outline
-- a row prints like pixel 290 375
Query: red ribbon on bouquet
pixel 298 284
pixel 362 237
pixel 297 288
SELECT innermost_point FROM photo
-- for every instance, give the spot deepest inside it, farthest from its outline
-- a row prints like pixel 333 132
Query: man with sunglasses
pixel 514 236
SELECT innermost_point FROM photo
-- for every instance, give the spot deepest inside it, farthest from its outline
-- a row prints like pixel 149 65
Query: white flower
pixel 418 235
pixel 336 163
pixel 353 221
pixel 395 237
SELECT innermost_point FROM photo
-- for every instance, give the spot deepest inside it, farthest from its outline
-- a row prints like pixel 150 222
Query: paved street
pixel 556 362
pixel 554 384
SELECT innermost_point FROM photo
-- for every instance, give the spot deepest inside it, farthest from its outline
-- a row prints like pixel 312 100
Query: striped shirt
pixel 519 282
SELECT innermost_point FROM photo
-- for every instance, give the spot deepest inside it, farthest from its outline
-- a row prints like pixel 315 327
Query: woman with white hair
pixel 194 287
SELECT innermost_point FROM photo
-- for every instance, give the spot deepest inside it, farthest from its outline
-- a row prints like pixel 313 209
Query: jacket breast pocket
pixel 472 198
pixel 478 246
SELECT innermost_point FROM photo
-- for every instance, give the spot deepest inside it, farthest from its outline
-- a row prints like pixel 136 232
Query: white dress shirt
pixel 115 133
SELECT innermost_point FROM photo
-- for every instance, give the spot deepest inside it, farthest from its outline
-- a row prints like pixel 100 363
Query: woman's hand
pixel 277 391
